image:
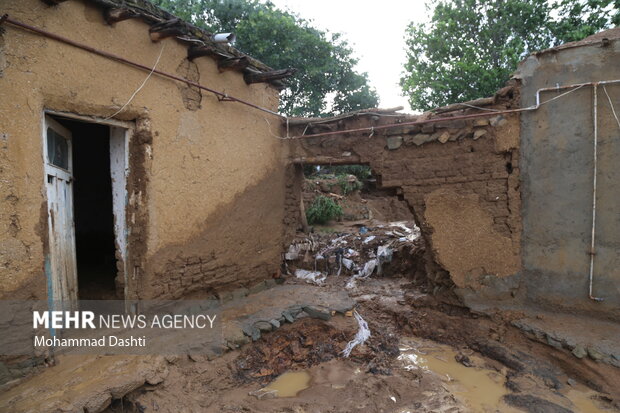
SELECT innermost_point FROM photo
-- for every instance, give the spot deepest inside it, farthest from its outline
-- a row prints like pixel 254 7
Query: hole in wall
pixel 357 190
pixel 509 167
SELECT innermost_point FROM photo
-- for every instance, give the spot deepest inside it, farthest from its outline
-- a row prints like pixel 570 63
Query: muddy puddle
pixel 289 384
pixel 478 388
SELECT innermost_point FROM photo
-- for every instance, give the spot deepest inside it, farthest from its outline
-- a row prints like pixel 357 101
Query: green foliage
pixel 309 170
pixel 470 48
pixel 360 171
pixel 323 210
pixel 347 187
pixel 280 39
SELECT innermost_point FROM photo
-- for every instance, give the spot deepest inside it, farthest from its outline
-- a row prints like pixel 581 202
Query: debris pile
pixel 357 251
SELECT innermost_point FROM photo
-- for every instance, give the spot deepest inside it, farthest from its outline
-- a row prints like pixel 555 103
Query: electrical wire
pixel 373 129
pixel 140 87
pixel 613 110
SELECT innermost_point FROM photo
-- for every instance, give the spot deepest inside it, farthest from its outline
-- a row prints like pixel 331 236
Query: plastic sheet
pixel 360 338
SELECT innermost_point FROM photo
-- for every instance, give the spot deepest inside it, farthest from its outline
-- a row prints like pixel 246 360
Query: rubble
pixel 357 251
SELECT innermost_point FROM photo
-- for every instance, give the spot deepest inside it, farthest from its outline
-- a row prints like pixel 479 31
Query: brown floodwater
pixel 479 388
pixel 289 384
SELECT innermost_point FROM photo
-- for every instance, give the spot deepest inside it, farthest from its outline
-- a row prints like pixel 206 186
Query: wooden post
pixel 299 180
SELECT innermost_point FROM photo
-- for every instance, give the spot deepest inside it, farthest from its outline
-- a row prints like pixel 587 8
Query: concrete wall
pixel 207 179
pixel 459 177
pixel 557 172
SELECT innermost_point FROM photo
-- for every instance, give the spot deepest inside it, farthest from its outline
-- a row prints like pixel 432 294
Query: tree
pixel 470 48
pixel 326 81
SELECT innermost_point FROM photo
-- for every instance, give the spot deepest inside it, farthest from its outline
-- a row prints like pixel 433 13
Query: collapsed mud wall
pixel 460 177
pixel 558 171
pixel 197 215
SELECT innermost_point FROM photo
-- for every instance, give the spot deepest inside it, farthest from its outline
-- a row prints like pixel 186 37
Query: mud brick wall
pixel 465 167
pixel 460 178
pixel 207 180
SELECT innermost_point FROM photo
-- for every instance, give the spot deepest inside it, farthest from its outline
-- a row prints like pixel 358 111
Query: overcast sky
pixel 375 31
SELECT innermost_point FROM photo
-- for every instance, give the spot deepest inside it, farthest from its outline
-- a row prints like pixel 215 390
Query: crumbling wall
pixel 459 176
pixel 207 179
pixel 558 163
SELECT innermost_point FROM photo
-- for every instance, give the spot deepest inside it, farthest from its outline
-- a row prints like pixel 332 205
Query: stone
pixel 443 138
pixel 172 359
pixel 464 360
pixel 263 326
pixel 318 312
pixel 234 334
pixel 531 403
pixel 394 142
pixel 421 138
pixel 579 352
pixel 428 128
pixel 294 310
pixel 594 354
pixel 251 331
pixel 275 323
pixel 455 124
pixel 498 121
pixel 481 122
pixel 288 316
pixel 571 382
pixel 479 133
pixel 403 130
pixel 553 342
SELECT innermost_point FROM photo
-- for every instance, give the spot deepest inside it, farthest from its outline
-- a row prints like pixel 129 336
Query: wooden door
pixel 62 274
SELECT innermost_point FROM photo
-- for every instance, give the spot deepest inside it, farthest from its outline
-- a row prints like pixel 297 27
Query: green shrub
pixel 360 171
pixel 346 186
pixel 323 210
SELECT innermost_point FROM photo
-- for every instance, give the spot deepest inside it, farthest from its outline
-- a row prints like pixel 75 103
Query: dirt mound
pixel 302 345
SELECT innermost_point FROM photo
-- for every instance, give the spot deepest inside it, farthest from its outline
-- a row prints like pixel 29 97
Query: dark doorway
pixel 93 215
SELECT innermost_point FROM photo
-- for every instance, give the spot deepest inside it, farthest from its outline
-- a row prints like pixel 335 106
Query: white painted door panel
pixel 62 280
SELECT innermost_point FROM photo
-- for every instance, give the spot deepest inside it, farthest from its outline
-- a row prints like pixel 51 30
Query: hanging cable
pixel 140 87
pixel 613 110
pixel 134 64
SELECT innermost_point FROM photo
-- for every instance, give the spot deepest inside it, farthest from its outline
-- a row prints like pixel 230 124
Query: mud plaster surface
pixel 464 241
pixel 194 163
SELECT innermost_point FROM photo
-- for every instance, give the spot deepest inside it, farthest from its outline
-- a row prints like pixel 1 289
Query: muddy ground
pixel 426 352
pixel 382 375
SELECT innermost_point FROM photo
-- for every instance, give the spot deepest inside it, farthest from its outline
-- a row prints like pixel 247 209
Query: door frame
pixel 120 135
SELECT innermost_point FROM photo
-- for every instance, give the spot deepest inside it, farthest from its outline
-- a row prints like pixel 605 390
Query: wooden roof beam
pixel 260 77
pixel 115 15
pixel 170 28
pixel 200 51
pixel 234 63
